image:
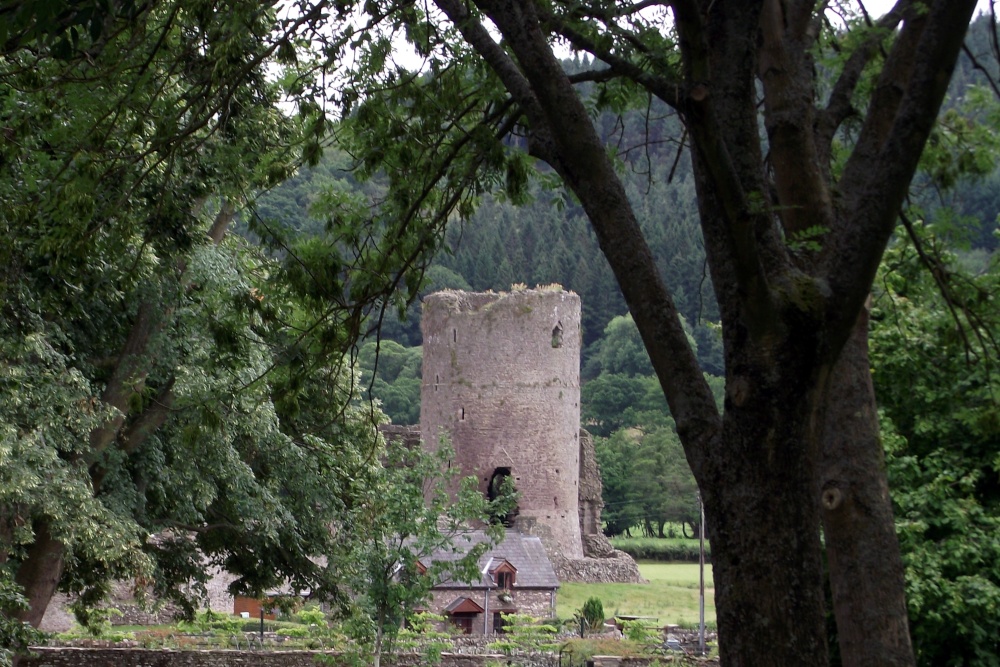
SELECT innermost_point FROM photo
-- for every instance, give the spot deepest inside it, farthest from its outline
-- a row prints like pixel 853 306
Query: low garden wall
pixel 135 657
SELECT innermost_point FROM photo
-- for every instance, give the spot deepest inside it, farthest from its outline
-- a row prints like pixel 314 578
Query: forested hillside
pixel 548 239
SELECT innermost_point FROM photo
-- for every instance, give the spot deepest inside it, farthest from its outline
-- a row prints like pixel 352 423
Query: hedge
pixel 661 549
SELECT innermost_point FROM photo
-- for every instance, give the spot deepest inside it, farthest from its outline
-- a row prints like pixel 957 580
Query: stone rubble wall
pixel 621 569
pixel 59 618
pixel 116 657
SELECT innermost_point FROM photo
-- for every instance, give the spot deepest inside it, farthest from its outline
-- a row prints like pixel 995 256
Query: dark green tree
pixel 934 354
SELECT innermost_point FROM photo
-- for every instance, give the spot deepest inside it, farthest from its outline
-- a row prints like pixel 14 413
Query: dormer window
pixel 505 575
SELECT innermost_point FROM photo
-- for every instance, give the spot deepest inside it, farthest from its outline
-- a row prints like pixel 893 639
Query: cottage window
pixel 463 622
pixel 499 623
pixel 505 575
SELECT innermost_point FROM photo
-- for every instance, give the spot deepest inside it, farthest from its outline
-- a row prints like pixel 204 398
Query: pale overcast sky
pixel 880 7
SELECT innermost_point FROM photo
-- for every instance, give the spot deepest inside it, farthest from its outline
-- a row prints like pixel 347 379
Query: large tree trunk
pixel 759 498
pixel 39 573
pixel 866 571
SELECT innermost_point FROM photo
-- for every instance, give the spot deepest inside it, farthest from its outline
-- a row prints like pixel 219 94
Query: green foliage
pixel 15 636
pixel 664 550
pixel 579 652
pixel 935 371
pixel 808 240
pixel 210 621
pixel 592 614
pixel 523 632
pixel 396 378
pixel 312 617
pixel 640 632
pixel 95 620
pixel 647 481
pixel 409 517
pixel 155 383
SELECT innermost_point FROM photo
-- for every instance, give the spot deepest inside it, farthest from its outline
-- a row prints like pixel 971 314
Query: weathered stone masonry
pixel 112 657
pixel 501 377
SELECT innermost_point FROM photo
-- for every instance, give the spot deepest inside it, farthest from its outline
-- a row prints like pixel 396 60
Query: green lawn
pixel 671 595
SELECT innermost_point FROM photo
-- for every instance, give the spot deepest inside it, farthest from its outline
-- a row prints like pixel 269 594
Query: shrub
pixel 593 613
pixel 311 616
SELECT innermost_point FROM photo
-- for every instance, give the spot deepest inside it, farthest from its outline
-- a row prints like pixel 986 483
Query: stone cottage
pixel 515 577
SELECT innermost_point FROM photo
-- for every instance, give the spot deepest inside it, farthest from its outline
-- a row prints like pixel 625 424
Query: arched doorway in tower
pixel 500 481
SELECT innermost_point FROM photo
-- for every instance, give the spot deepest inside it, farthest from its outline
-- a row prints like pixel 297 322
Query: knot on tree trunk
pixel 831 497
pixel 738 390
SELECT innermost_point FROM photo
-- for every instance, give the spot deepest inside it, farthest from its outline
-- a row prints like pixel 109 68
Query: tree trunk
pixel 866 570
pixel 377 648
pixel 759 497
pixel 39 573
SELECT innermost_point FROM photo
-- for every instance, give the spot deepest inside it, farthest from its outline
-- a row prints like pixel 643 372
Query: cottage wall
pixel 501 378
pixel 531 602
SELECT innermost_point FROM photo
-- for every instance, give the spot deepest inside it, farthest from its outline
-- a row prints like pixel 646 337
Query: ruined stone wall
pixel 59 618
pixel 618 567
pixel 591 489
pixel 501 377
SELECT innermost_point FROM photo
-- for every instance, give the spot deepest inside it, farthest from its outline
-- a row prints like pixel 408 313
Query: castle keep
pixel 501 377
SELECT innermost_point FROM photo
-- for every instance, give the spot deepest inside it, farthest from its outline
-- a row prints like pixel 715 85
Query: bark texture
pixel 858 526
pixel 39 573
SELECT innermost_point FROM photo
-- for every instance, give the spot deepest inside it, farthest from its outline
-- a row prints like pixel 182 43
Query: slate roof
pixel 464 606
pixel 524 552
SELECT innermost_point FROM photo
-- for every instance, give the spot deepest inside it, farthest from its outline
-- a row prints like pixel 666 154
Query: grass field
pixel 671 596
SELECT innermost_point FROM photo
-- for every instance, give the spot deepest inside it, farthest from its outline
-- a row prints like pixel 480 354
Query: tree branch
pixel 839 107
pixel 879 171
pixel 736 230
pixel 581 158
pixel 786 70
pixel 665 87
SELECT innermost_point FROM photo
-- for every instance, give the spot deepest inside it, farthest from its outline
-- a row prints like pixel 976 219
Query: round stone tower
pixel 501 378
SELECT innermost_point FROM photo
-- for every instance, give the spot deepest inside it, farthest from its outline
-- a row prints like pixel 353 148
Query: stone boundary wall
pixel 117 657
